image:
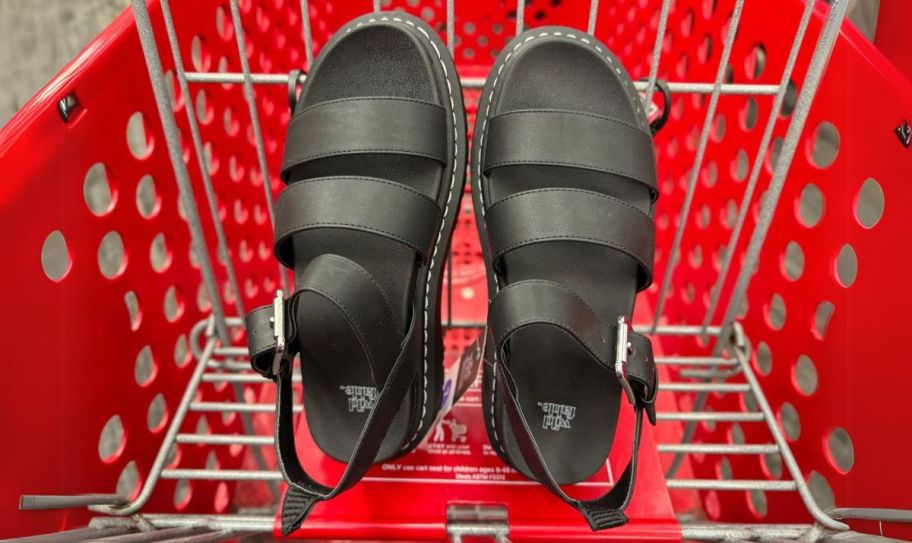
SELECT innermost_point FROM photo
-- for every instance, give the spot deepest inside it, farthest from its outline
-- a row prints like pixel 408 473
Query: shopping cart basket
pixel 137 209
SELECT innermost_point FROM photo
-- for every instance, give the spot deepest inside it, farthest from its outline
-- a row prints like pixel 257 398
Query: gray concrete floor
pixel 37 37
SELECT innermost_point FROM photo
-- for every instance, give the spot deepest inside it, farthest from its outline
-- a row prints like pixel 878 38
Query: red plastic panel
pixel 692 49
pixel 84 357
pixel 836 412
pixel 80 343
pixel 862 383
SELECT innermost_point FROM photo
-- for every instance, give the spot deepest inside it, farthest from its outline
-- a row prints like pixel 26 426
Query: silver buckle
pixel 620 364
pixel 278 330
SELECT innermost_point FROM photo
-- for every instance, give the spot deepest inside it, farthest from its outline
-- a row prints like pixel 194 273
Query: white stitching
pixel 611 60
pixel 427 287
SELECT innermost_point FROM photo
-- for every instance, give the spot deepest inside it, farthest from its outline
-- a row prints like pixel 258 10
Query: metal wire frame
pixel 746 200
pixel 715 89
pixel 212 200
pixel 133 531
pixel 698 158
pixel 677 87
pixel 182 176
pixel 819 59
pixel 250 97
pixel 211 197
pixel 657 52
pixel 214 358
pixel 217 326
pixel 265 523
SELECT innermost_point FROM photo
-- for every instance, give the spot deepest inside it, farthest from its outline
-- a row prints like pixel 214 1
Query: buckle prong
pixel 620 364
pixel 278 330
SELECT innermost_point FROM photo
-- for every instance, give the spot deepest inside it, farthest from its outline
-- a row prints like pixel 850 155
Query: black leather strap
pixel 362 304
pixel 565 214
pixel 357 297
pixel 261 341
pixel 606 511
pixel 366 125
pixel 304 491
pixel 546 303
pixel 537 301
pixel 360 301
pixel 356 203
pixel 540 302
pixel 573 139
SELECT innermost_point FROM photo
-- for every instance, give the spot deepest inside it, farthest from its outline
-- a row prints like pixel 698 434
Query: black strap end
pixel 600 518
pixel 295 508
pixel 650 413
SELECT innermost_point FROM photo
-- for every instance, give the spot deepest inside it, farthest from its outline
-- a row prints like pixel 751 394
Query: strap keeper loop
pixel 622 349
pixel 278 331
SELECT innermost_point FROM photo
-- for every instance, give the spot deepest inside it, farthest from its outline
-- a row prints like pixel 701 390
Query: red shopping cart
pixel 138 205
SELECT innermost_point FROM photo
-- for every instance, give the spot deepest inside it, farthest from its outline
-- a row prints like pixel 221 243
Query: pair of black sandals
pixel 563 186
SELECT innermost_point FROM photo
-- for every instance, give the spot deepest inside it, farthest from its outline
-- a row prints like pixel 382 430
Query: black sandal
pixel 565 187
pixel 375 167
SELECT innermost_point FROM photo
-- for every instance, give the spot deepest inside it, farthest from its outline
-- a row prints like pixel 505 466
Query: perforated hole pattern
pixel 113 235
pixel 816 310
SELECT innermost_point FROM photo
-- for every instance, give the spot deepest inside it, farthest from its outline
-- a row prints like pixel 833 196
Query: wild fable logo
pixel 360 399
pixel 557 416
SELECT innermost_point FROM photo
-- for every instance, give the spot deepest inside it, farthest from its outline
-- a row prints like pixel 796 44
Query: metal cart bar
pixel 254 378
pixel 223 254
pixel 695 361
pixel 727 484
pixel 451 26
pixel 222 474
pixel 308 41
pixel 712 448
pixel 593 15
pixel 228 365
pixel 222 439
pixel 674 330
pixel 167 534
pixel 257 524
pixel 41 502
pixel 72 536
pixel 232 352
pixel 710 374
pixel 264 523
pixel 710 416
pixel 236 407
pixel 787 457
pixel 237 523
pixel 520 16
pixel 743 89
pixel 206 537
pixel 657 52
pixel 706 387
pixel 180 413
pixel 734 532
